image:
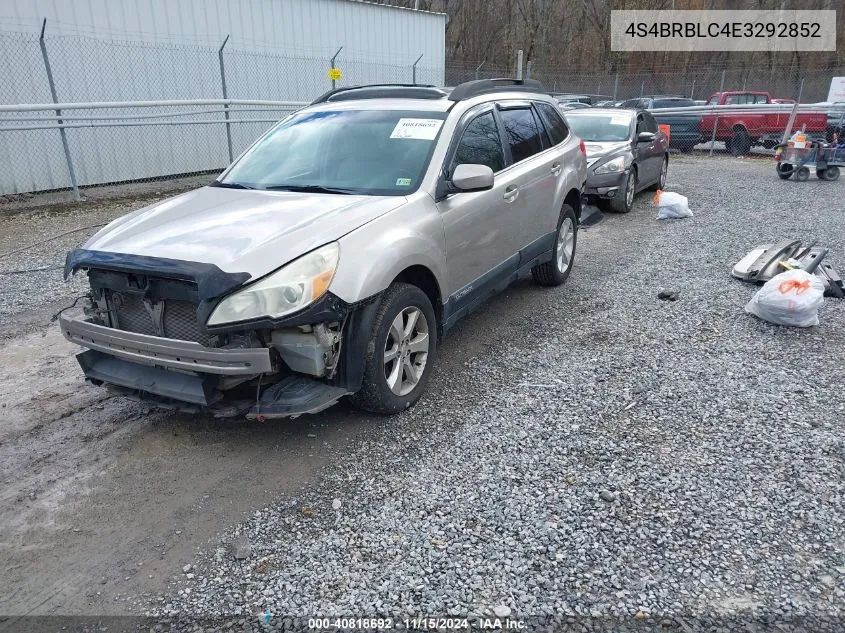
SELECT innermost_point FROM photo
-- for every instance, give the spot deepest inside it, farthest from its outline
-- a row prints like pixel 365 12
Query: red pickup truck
pixel 742 130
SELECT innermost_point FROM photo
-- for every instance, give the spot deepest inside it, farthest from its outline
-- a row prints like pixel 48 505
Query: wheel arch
pixel 573 199
pixel 423 278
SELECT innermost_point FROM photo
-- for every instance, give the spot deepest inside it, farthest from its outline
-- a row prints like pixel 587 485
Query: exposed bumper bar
pixel 165 352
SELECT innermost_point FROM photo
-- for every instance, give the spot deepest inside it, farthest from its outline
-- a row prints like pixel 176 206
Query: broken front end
pixel 160 330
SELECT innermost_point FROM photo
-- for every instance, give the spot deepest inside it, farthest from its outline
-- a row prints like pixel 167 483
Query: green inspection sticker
pixel 403 182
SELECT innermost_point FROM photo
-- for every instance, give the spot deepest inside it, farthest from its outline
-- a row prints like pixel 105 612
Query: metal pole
pixel 334 57
pixel 519 64
pixel 692 90
pixel 788 129
pixel 528 70
pixel 225 96
pixel 478 68
pixel 414 70
pixel 70 170
pixel 800 90
pixel 716 119
pixel 616 87
pixel 642 88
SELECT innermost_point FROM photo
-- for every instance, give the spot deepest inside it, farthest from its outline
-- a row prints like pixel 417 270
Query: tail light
pixel 583 148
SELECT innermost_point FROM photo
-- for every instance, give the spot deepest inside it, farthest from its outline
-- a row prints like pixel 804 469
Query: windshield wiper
pixel 230 185
pixel 312 189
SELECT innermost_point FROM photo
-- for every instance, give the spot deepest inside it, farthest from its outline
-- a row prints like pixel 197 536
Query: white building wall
pixel 120 50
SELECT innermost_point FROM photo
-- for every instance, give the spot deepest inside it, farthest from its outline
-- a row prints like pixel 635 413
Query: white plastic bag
pixel 671 205
pixel 790 298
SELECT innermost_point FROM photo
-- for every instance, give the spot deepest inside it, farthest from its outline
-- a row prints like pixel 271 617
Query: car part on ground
pixel 331 257
pixel 764 262
pixel 791 298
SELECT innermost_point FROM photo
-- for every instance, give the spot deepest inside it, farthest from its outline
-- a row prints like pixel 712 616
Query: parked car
pixel 740 131
pixel 654 102
pixel 573 105
pixel 625 154
pixel 331 257
pixel 684 129
pixel 566 97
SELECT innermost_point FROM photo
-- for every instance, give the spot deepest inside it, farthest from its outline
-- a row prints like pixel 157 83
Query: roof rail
pixel 471 89
pixel 382 91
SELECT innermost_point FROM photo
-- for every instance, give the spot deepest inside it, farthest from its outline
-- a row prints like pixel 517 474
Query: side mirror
pixel 469 177
pixel 646 137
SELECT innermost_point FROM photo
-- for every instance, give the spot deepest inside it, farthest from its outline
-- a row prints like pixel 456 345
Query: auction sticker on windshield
pixel 422 129
pixel 619 120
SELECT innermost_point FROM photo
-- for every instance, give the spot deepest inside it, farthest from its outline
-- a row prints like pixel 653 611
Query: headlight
pixel 291 288
pixel 612 166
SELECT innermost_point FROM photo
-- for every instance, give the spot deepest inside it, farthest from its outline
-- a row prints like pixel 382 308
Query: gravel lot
pixel 596 455
pixel 610 455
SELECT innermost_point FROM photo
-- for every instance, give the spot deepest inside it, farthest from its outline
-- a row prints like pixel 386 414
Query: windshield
pixel 601 127
pixel 371 152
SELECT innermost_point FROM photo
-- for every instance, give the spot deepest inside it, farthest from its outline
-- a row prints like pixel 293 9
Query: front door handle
pixel 511 193
pixel 556 169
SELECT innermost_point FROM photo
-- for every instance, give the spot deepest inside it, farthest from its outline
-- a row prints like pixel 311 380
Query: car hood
pixel 599 150
pixel 239 230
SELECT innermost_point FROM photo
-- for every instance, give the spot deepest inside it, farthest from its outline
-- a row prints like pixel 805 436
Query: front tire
pixel 400 353
pixel 555 272
pixel 623 202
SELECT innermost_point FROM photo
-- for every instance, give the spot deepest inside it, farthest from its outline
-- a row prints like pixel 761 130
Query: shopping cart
pixel 825 159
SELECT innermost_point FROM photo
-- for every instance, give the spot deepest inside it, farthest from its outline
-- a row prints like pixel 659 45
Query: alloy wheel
pixel 406 351
pixel 565 244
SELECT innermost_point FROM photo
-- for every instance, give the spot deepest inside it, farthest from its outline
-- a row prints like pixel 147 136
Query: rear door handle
pixel 556 169
pixel 511 193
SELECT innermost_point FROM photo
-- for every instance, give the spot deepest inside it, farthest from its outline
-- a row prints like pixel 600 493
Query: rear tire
pixel 400 353
pixel 661 180
pixel 831 173
pixel 803 174
pixel 740 144
pixel 555 272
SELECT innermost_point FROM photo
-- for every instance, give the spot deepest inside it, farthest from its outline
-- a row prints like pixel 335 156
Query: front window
pixel 601 127
pixel 480 144
pixel 370 152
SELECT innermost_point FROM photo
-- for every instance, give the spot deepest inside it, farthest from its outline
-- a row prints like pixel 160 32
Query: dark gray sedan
pixel 625 154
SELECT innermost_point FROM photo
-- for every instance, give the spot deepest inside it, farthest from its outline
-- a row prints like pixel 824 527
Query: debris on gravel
pixel 598 459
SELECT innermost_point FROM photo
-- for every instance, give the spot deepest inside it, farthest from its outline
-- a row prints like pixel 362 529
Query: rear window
pixel 523 133
pixel 554 123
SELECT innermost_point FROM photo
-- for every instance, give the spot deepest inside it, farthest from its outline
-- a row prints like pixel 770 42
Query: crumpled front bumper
pixel 165 352
pixel 605 185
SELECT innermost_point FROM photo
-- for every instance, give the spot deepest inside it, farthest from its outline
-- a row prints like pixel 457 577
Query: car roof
pixel 427 97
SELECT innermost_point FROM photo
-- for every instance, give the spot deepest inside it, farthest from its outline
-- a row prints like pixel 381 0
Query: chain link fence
pixel 187 109
pixel 195 107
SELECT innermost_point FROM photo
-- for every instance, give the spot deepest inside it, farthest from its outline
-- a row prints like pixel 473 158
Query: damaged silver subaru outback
pixel 332 256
